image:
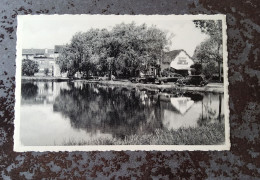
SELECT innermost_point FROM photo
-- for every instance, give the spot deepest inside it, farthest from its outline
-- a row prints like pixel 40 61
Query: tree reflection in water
pixel 127 111
pixel 122 111
pixel 118 111
pixel 29 90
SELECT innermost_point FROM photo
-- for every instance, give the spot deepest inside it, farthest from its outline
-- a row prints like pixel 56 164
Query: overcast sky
pixel 45 31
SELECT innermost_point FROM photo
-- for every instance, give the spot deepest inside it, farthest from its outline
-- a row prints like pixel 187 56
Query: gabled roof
pixel 171 55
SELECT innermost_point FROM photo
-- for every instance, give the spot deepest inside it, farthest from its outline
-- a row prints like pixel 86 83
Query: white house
pixel 178 60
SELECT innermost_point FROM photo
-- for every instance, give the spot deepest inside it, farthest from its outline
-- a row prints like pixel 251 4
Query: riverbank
pixel 211 134
pixel 211 87
pixel 44 78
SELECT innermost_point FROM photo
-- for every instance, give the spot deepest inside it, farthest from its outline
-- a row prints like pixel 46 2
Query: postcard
pixel 121 82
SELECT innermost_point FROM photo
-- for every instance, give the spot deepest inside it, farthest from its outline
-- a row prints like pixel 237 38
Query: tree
pixel 29 67
pixel 197 68
pixel 211 48
pixel 209 69
pixel 125 50
pixel 136 48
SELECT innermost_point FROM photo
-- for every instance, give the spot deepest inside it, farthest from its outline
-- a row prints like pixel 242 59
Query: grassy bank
pixel 125 83
pixel 211 134
pixel 215 89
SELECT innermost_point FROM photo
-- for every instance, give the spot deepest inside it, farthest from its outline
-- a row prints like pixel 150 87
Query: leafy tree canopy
pixel 211 27
pixel 124 50
pixel 210 52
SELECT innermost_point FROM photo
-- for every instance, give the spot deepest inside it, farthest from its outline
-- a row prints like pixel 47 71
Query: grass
pixel 211 134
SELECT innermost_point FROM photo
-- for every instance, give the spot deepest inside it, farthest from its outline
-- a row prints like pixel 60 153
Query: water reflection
pixel 84 111
pixel 29 91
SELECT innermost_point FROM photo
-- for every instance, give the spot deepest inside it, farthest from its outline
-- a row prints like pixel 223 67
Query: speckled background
pixel 242 162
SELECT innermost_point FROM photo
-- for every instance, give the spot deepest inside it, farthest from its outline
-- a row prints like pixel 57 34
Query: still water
pixel 53 113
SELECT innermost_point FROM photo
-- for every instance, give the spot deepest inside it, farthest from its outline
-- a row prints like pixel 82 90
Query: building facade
pixel 177 60
pixel 46 58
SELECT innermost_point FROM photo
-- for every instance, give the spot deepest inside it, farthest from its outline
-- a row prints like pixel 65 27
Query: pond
pixel 55 113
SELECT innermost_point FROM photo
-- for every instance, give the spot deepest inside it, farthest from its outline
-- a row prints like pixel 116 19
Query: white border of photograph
pixel 18 147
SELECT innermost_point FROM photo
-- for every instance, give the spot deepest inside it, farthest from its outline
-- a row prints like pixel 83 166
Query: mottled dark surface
pixel 242 162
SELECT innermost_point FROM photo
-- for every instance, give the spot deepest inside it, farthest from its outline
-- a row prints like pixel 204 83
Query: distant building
pixel 178 60
pixel 44 64
pixel 31 53
pixel 46 58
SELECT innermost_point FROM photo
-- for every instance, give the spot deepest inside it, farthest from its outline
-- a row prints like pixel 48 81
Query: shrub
pixel 29 67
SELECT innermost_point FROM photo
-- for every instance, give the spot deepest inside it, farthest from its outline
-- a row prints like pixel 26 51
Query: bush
pixel 168 71
pixel 209 69
pixel 197 68
pixel 29 67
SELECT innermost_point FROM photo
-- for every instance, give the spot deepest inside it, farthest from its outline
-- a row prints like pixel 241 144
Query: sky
pixel 46 31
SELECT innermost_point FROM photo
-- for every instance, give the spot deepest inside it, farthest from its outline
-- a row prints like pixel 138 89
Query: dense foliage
pixel 197 68
pixel 125 50
pixel 210 53
pixel 29 67
pixel 168 71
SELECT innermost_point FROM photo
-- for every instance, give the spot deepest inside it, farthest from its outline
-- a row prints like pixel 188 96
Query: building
pixel 178 60
pixel 46 65
pixel 31 53
pixel 46 58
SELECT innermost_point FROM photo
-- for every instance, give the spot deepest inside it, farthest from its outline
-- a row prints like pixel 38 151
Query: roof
pixel 58 48
pixel 169 56
pixel 50 51
pixel 42 57
pixel 33 51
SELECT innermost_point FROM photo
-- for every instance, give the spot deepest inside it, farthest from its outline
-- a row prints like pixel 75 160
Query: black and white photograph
pixel 121 82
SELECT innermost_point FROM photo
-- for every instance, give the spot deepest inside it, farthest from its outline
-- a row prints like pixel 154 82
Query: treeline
pixel 209 54
pixel 125 50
